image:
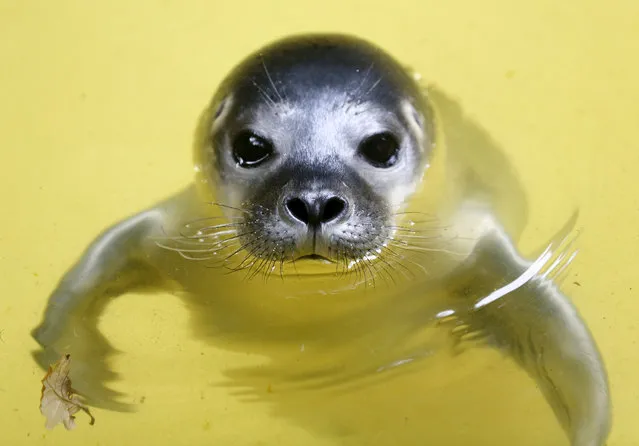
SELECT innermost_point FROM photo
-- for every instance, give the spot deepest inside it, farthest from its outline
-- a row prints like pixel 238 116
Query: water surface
pixel 99 105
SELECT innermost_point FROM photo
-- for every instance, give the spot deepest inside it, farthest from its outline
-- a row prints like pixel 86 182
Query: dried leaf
pixel 58 402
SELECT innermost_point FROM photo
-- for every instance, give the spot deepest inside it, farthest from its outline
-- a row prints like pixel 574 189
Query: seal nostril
pixel 333 208
pixel 316 211
pixel 298 209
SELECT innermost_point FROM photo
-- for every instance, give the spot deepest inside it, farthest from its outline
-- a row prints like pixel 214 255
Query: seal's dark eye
pixel 380 150
pixel 251 150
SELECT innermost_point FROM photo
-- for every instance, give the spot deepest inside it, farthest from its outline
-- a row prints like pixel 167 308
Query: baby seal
pixel 308 158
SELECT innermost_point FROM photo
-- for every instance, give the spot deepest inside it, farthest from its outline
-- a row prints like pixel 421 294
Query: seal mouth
pixel 315 258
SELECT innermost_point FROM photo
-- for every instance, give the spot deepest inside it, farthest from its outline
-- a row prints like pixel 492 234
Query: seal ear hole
pixel 380 150
pixel 250 150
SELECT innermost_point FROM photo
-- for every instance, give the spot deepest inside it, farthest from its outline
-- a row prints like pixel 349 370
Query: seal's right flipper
pixel 529 318
pixel 110 266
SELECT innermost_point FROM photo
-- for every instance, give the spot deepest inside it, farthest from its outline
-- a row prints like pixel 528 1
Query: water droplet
pixel 445 313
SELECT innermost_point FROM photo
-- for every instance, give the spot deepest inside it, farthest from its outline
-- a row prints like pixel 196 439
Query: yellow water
pixel 99 102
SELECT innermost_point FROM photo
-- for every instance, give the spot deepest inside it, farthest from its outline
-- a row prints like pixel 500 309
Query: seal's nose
pixel 314 210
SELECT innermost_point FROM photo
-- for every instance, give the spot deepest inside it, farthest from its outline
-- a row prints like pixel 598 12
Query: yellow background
pixel 98 104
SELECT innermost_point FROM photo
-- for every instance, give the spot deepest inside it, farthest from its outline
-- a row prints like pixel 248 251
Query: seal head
pixel 314 143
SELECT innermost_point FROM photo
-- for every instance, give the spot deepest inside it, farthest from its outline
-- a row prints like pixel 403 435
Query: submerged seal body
pixel 308 160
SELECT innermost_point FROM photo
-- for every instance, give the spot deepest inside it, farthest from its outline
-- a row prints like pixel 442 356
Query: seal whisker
pixel 210 236
pixel 218 249
pixel 364 270
pixel 204 230
pixel 203 219
pixel 214 203
pixel 263 266
pixel 384 252
pixel 268 75
pixel 204 239
pixel 400 259
pixel 251 247
pixel 260 260
pixel 269 100
pixel 370 90
pixel 413 229
pixel 343 260
pixel 372 269
pixel 425 249
pixel 242 247
pixel 405 271
pixel 376 266
pixel 255 253
pixel 199 239
pixel 408 236
pixel 192 251
pixel 271 265
pixel 426 214
pixel 255 267
pixel 211 242
pixel 197 259
pixel 188 250
pixel 384 266
pixel 277 256
pixel 355 95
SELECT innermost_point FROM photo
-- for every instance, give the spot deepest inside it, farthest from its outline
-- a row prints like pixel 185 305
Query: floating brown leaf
pixel 58 402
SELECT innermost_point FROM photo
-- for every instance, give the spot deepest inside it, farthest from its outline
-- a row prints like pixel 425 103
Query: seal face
pixel 317 141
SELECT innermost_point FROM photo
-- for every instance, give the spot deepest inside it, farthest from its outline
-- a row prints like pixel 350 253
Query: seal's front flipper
pixel 527 316
pixel 112 265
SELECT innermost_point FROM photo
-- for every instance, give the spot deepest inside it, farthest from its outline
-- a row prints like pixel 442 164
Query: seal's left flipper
pixel 112 265
pixel 530 319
